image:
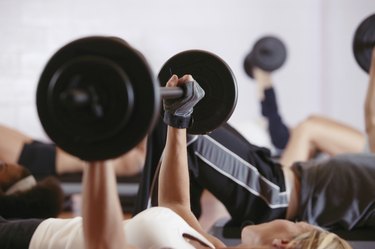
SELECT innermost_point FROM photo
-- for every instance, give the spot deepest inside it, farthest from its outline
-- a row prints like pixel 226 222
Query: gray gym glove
pixel 177 112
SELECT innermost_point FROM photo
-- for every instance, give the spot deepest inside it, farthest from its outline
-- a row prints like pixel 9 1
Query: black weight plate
pixel 127 92
pixel 248 65
pixel 363 42
pixel 269 53
pixel 108 102
pixel 217 80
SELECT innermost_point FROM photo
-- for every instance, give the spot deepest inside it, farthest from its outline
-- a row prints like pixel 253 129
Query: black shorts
pixel 242 176
pixel 338 192
pixel 17 234
pixel 39 158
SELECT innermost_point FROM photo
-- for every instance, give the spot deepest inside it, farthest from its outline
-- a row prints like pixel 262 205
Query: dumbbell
pixel 97 97
pixel 268 53
pixel 363 42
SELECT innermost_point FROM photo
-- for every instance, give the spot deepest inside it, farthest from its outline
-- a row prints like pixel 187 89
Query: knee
pixel 308 125
pixel 302 127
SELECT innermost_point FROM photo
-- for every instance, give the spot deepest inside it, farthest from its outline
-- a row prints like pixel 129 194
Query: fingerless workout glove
pixel 177 112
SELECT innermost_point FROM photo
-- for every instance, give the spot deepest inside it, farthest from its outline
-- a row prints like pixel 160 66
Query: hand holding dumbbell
pixel 177 111
pixel 268 54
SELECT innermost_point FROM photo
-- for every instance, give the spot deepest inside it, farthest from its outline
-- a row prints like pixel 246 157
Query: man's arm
pixel 370 105
pixel 102 213
pixel 127 164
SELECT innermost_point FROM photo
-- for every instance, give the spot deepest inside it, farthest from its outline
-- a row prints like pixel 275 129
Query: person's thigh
pixel 11 143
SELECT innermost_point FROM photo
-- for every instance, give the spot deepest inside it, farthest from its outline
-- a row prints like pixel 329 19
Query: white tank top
pixel 156 227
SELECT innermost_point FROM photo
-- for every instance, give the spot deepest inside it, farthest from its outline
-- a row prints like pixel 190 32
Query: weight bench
pixel 127 188
pixel 358 239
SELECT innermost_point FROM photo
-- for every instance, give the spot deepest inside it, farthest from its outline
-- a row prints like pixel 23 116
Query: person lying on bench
pixel 170 225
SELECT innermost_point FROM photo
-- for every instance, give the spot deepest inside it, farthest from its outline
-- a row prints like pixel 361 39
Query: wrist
pixel 176 121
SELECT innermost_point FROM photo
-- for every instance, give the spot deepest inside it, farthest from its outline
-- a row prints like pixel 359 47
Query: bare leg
pixel 132 162
pixel 319 134
pixel 11 144
pixel 66 163
pixel 128 164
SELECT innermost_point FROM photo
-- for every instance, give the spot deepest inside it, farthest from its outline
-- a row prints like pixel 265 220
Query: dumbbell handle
pixel 368 44
pixel 171 92
pixel 74 98
pixel 81 98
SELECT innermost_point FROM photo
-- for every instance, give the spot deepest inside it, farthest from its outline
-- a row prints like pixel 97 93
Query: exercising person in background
pixel 45 159
pixel 315 134
pixel 267 55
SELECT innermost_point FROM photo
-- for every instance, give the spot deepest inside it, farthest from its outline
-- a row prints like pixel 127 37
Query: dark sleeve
pixel 277 129
pixel 17 234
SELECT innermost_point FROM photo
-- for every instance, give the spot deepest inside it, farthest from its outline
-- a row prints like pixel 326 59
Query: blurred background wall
pixel 320 75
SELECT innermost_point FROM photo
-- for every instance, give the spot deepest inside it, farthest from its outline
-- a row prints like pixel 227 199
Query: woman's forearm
pixel 102 213
pixel 174 174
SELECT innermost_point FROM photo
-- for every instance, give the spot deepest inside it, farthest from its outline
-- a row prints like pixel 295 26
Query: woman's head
pixel 318 239
pixel 287 234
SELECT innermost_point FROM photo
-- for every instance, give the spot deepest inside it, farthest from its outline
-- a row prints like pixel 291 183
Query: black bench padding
pixel 127 187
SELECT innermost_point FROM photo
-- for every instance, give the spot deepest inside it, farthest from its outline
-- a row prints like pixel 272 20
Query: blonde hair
pixel 318 239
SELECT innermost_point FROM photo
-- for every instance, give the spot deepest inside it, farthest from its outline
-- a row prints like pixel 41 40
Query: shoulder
pixel 58 232
pixel 160 227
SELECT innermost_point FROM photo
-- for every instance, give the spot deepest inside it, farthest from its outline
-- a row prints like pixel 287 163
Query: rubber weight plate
pixel 248 65
pixel 363 42
pixel 97 98
pixel 217 80
pixel 268 53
